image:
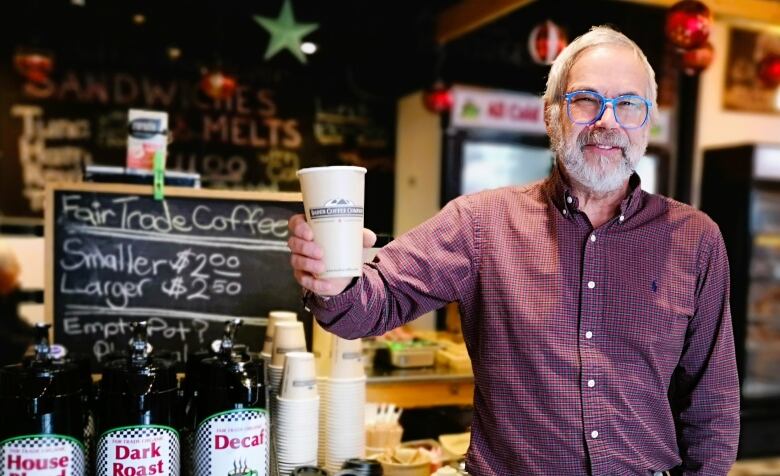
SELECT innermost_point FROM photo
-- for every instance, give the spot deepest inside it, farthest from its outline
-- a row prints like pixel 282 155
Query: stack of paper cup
pixel 273 318
pixel 321 342
pixel 345 399
pixel 322 388
pixel 297 414
pixel 275 374
pixel 288 337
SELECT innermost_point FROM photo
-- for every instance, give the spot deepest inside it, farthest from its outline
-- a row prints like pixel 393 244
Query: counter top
pixel 420 387
pixel 423 374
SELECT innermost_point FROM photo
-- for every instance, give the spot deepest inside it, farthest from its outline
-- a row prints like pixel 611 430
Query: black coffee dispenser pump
pixel 231 380
pixel 42 413
pixel 136 412
pixel 232 421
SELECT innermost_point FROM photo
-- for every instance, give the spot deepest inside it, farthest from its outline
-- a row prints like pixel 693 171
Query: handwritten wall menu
pixel 185 264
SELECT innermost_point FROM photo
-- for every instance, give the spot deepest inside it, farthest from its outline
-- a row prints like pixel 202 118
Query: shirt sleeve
pixel 705 396
pixel 422 270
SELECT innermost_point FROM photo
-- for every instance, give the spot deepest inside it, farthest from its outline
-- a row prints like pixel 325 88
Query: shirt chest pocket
pixel 650 313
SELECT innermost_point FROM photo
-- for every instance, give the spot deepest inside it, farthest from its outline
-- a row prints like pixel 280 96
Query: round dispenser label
pixel 149 450
pixel 42 455
pixel 233 443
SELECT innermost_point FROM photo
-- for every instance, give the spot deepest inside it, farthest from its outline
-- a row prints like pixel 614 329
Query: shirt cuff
pixel 316 303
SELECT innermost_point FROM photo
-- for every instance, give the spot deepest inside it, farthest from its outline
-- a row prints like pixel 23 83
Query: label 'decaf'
pixel 234 443
pixel 42 455
pixel 151 450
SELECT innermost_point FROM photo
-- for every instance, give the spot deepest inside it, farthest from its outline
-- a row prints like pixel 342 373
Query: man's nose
pixel 607 119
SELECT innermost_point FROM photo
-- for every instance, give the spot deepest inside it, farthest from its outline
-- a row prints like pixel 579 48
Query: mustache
pixel 608 137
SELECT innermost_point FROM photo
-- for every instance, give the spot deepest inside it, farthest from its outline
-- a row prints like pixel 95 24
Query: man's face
pixel 602 156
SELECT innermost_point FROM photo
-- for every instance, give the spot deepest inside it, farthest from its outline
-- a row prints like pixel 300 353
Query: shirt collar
pixel 560 193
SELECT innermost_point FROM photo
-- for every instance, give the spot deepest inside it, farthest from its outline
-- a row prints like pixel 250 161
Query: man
pixel 596 315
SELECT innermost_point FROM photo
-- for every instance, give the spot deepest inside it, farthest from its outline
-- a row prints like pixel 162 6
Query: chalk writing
pixel 185 265
pixel 41 162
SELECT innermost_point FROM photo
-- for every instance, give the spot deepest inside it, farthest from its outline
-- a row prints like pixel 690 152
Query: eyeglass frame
pixel 604 101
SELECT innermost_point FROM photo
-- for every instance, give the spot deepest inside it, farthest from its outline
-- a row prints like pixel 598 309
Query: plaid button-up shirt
pixel 604 351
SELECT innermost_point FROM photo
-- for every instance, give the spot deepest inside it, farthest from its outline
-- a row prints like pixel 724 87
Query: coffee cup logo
pixel 240 468
pixel 336 208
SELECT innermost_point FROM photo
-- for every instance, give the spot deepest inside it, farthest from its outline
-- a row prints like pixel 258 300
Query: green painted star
pixel 285 33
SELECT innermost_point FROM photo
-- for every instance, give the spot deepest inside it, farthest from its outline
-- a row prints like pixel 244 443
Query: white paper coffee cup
pixel 347 359
pixel 333 201
pixel 273 318
pixel 288 337
pixel 298 378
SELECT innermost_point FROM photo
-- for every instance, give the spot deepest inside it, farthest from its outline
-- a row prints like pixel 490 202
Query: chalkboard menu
pixel 186 264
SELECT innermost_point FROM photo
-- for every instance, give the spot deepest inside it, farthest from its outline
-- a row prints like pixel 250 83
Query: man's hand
pixel 306 258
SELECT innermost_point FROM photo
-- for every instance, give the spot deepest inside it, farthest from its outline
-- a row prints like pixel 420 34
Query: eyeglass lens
pixel 584 108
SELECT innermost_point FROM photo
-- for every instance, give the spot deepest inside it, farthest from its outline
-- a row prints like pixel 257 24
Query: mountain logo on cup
pixel 336 208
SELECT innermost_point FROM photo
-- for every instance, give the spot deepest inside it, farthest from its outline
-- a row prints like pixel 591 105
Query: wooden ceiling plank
pixel 469 15
pixel 764 11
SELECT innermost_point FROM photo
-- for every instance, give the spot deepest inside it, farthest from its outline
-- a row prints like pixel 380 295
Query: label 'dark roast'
pixel 41 455
pixel 151 450
pixel 233 443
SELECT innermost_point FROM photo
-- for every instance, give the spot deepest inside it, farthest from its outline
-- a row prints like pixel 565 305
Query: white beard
pixel 601 176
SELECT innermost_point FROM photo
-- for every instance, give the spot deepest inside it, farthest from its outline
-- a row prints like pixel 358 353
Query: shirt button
pixel 593 237
pixel 591 383
pixel 569 200
pixel 591 284
pixel 621 218
pixel 588 335
pixel 563 211
pixel 594 434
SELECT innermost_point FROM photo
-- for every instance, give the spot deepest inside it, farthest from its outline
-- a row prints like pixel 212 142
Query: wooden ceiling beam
pixel 469 15
pixel 763 11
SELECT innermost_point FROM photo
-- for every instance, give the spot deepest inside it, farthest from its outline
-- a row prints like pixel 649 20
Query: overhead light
pixel 308 47
pixel 139 19
pixel 174 52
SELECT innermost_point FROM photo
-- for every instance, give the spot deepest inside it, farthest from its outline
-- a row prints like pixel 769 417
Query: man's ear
pixel 547 117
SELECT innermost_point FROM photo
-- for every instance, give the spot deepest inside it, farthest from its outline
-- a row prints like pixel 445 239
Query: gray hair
pixel 559 73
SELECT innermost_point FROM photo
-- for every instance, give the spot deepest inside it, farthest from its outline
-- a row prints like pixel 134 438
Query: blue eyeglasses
pixel 587 107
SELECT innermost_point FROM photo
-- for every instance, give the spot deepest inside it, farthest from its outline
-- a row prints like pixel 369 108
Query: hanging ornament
pixel 35 66
pixel 688 24
pixel 285 33
pixel 769 70
pixel 698 59
pixel 546 42
pixel 438 99
pixel 218 85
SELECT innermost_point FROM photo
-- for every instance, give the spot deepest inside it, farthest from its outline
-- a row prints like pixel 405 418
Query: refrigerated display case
pixel 491 139
pixel 741 192
pixel 479 160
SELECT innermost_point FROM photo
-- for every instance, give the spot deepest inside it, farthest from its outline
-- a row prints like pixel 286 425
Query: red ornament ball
pixel 438 99
pixel 697 59
pixel 35 67
pixel 218 85
pixel 688 24
pixel 546 42
pixel 769 70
